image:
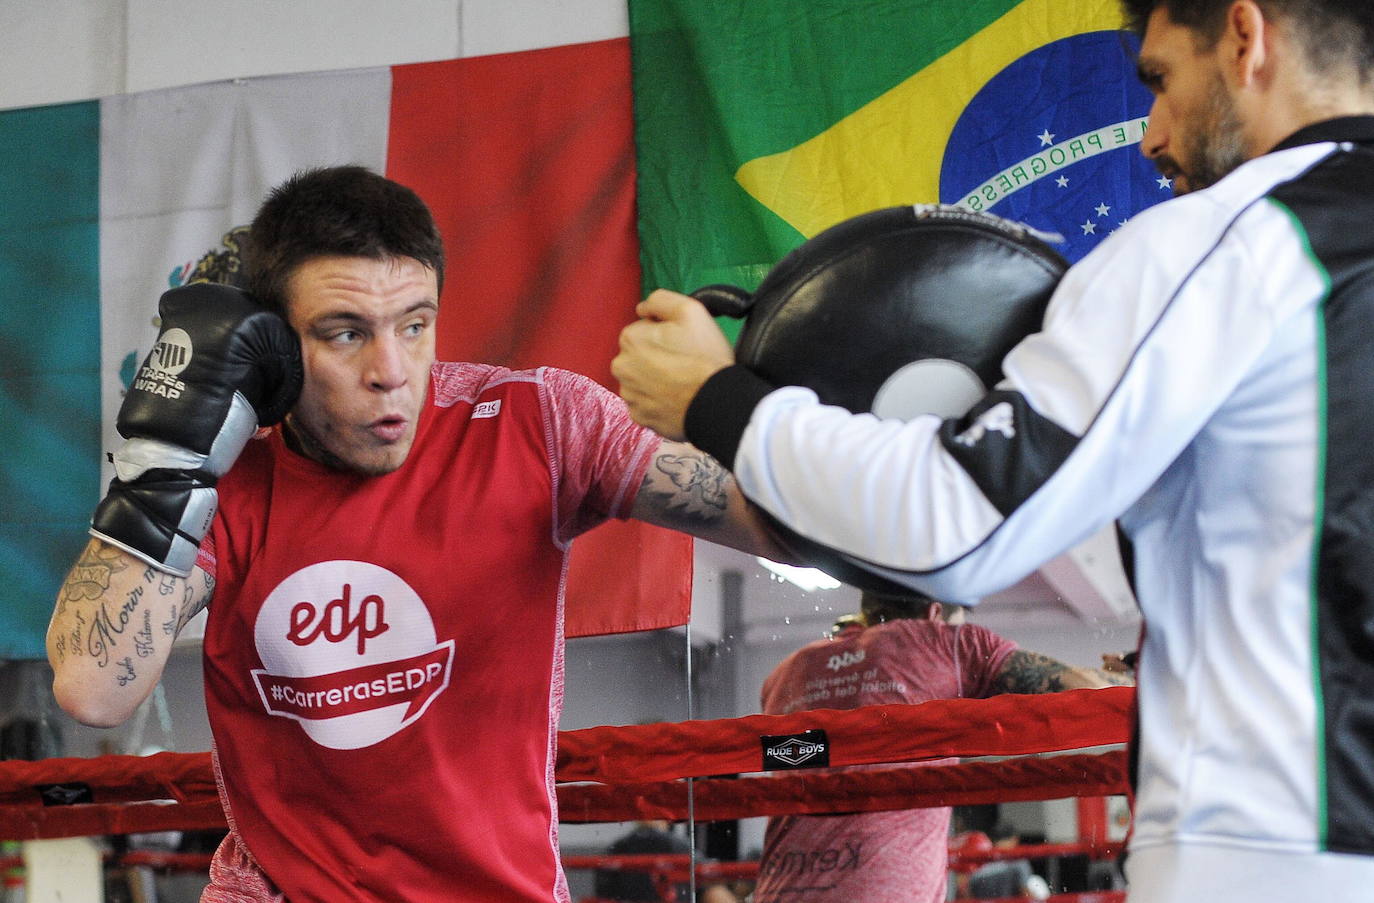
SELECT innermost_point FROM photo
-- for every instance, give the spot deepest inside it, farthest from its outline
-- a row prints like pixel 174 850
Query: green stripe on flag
pixel 50 371
pixel 759 123
pixel 720 84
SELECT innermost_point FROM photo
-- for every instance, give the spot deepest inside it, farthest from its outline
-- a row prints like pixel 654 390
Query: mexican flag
pixel 526 160
pixel 759 123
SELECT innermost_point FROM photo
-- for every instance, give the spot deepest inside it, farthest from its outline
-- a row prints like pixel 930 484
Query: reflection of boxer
pixel 383 658
pixel 903 649
pixel 1205 375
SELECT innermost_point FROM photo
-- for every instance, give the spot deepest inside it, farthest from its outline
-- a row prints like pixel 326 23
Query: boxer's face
pixel 367 339
pixel 1195 135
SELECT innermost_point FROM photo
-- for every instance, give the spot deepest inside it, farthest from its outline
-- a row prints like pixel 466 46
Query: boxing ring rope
pixel 1005 725
pixel 670 870
pixel 613 774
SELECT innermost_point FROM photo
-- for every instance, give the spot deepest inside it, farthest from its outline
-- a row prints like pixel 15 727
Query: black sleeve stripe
pixel 1007 448
pixel 1010 469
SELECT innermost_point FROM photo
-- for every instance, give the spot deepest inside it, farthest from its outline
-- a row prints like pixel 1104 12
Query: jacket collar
pixel 1358 129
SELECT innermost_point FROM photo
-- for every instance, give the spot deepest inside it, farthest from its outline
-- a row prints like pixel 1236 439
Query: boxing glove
pixel 222 367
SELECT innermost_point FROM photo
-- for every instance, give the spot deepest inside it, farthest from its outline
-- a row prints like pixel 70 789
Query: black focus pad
pixel 216 340
pixel 846 310
pixel 725 300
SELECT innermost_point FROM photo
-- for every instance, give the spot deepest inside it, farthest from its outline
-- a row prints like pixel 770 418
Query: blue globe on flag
pixel 1053 141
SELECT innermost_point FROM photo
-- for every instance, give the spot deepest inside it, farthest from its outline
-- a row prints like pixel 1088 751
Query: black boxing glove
pixel 222 366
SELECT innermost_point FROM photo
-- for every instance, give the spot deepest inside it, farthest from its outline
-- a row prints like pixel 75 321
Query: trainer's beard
pixel 1213 147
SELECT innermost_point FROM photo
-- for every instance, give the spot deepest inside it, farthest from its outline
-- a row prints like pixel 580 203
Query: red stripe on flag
pixel 527 160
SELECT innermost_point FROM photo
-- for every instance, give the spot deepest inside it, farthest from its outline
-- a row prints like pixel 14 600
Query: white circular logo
pixel 172 352
pixel 931 386
pixel 349 651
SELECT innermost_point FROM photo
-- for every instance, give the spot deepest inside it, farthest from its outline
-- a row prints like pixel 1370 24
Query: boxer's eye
pixel 344 337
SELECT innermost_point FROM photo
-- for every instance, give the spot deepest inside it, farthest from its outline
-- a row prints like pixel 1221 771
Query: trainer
pixel 1206 375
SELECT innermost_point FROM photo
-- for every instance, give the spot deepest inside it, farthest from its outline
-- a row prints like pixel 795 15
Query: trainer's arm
pixel 1091 411
pixel 665 357
pixel 1031 672
pixel 112 631
pixel 687 490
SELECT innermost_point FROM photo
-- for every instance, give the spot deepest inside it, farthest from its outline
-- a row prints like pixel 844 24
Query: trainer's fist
pixel 222 366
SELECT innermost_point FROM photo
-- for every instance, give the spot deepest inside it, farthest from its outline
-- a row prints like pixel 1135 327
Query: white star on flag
pixel 1062 181
pixel 1046 139
pixel 1090 228
pixel 1102 209
pixel 1164 182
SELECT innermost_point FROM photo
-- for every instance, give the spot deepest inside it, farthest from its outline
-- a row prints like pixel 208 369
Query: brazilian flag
pixel 758 123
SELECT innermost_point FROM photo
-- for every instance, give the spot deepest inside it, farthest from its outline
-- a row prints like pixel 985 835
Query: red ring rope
pixel 638 768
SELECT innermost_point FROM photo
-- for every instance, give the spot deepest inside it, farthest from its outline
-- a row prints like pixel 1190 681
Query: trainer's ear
pixel 1245 42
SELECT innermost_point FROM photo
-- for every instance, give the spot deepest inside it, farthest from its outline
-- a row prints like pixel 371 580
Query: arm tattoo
pixel 191 606
pixel 695 490
pixel 77 628
pixel 126 674
pixel 109 626
pixel 91 575
pixel 1030 672
pixel 143 637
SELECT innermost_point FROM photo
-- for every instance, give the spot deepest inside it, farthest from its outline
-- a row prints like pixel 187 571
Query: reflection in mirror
pixel 769 639
pixel 769 643
pixel 623 679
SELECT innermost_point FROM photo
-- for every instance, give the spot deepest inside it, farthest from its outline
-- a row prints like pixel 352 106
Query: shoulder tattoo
pixel 1030 672
pixel 692 489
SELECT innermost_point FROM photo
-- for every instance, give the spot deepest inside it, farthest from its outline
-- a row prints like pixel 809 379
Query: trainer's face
pixel 1195 135
pixel 367 339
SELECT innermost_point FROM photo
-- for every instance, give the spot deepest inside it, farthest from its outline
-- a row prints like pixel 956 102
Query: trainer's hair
pixel 879 607
pixel 346 211
pixel 1332 33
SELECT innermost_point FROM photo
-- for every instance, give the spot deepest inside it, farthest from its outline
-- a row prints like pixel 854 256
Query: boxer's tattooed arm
pixel 686 489
pixel 110 624
pixel 1030 672
pixel 90 578
pixel 115 612
pixel 126 674
pixel 689 490
pixel 143 637
pixel 200 586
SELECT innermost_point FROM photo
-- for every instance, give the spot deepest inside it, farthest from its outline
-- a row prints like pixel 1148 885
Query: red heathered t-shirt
pixel 875 857
pixel 384 655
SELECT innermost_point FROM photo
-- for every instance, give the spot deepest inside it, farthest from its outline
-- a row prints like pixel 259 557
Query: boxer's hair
pixel 1331 33
pixel 878 607
pixel 346 211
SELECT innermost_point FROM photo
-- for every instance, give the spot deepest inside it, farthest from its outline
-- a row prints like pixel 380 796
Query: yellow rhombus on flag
pixel 888 151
